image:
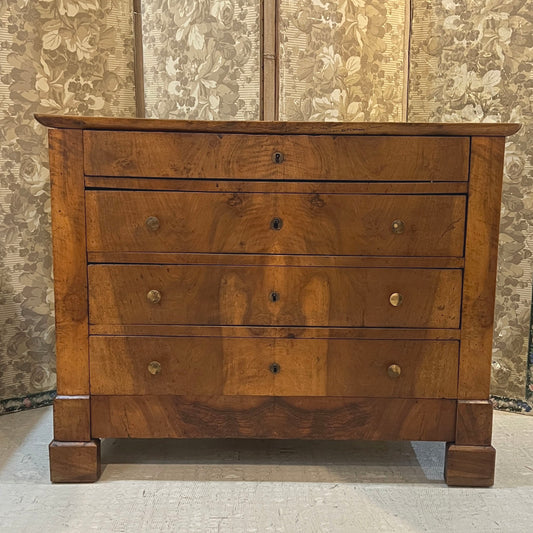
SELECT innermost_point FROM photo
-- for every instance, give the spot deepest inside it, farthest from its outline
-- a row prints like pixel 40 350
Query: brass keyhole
pixel 275 368
pixel 276 223
pixel 277 157
pixel 274 296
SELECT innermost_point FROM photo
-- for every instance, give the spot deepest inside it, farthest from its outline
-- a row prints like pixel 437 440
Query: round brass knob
pixel 152 223
pixel 275 368
pixel 396 299
pixel 153 296
pixel 394 371
pixel 154 367
pixel 398 226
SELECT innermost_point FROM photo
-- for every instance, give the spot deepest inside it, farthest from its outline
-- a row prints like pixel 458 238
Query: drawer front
pixel 318 224
pixel 302 157
pixel 273 367
pixel 267 417
pixel 276 296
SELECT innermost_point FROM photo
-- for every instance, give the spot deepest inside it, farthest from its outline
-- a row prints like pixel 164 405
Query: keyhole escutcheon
pixel 276 223
pixel 274 296
pixel 275 368
pixel 277 157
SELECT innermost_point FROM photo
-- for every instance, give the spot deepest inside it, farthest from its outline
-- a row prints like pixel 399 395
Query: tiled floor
pixel 262 486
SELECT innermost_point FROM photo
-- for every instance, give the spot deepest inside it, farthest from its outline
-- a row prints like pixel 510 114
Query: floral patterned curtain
pixel 342 60
pixel 201 59
pixel 56 56
pixel 471 61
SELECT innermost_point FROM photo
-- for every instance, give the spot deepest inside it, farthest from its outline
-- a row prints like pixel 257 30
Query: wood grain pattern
pixel 359 368
pixel 470 466
pixel 302 187
pixel 245 157
pixel 276 332
pixel 70 271
pixel 302 367
pixel 223 295
pixel 189 365
pixel 474 422
pixel 481 256
pixel 272 417
pixel 72 420
pixel 307 367
pixel 275 260
pixel 74 462
pixel 253 127
pixel 317 224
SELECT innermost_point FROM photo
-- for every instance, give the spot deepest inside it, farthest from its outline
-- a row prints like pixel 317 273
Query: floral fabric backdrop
pixel 342 60
pixel 201 59
pixel 472 61
pixel 56 56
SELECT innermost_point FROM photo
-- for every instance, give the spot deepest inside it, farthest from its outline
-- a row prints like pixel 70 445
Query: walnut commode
pixel 274 280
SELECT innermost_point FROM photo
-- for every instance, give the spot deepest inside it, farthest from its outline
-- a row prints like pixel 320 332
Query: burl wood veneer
pixel 274 280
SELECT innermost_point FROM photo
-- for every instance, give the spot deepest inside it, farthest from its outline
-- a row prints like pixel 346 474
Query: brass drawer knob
pixel 275 368
pixel 277 157
pixel 153 296
pixel 396 299
pixel 394 371
pixel 398 226
pixel 152 223
pixel 154 367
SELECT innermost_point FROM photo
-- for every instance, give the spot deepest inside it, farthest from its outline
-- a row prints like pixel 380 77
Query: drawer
pixel 276 296
pixel 303 367
pixel 251 157
pixel 318 224
pixel 272 417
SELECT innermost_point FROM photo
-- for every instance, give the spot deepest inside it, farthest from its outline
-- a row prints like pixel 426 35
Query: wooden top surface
pixel 308 128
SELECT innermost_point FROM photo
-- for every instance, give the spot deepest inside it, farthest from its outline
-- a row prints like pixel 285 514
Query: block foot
pixel 469 466
pixel 74 462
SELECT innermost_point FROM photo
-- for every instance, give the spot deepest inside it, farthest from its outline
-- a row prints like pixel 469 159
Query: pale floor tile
pixel 262 486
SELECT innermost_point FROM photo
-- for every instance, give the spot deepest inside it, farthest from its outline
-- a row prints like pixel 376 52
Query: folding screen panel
pixel 471 61
pixel 69 57
pixel 343 60
pixel 201 59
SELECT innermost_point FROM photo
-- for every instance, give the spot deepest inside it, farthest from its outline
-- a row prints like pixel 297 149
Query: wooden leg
pixel 74 462
pixel 474 423
pixel 469 466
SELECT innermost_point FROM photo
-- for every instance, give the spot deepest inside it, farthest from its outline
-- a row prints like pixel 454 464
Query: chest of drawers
pixel 274 280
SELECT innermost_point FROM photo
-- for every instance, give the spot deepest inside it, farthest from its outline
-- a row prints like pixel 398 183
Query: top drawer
pixel 297 157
